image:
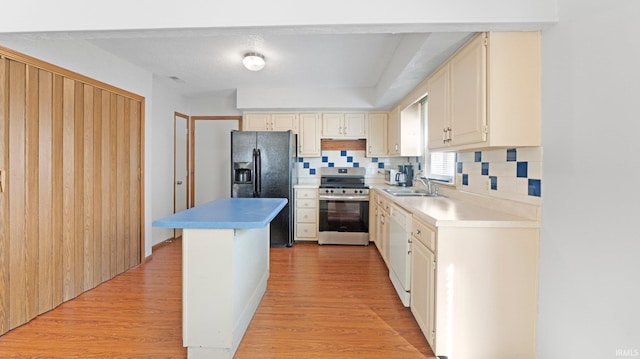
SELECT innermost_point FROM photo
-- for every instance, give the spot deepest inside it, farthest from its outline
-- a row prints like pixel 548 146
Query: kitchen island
pixel 225 267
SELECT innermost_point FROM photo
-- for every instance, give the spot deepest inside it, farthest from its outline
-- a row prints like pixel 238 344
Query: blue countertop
pixel 226 213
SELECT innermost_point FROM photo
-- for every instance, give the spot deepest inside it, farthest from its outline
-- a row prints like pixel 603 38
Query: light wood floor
pixel 321 302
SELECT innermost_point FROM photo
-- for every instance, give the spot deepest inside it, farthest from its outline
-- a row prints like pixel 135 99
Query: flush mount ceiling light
pixel 253 61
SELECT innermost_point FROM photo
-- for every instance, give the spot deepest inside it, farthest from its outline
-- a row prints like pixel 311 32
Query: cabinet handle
pixel 340 130
pixel 396 147
pixel 418 231
pixel 345 130
pixel 3 180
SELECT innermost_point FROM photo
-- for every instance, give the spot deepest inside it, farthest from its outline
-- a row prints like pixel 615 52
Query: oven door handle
pixel 344 198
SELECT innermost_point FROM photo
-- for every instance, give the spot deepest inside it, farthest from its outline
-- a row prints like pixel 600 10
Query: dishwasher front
pixel 400 252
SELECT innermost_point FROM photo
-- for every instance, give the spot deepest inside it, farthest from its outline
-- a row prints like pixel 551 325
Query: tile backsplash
pixel 514 173
pixel 308 167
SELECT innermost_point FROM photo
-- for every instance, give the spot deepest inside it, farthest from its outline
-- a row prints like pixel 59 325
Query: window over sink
pixel 439 166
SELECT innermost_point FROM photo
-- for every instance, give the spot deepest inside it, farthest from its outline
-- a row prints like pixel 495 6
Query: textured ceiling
pixel 197 62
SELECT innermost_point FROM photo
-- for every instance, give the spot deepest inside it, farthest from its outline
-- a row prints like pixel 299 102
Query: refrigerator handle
pixel 257 169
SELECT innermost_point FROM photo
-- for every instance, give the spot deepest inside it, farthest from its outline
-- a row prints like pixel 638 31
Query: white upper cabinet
pixel 343 125
pixel 309 136
pixel 393 133
pixel 284 121
pixel 405 132
pixel 438 109
pixel 467 84
pixel 256 121
pixel 487 94
pixel 377 134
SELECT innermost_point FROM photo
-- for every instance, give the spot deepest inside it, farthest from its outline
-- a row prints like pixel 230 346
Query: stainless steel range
pixel 344 206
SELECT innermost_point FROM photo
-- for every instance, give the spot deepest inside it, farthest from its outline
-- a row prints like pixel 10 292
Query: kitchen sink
pixel 404 192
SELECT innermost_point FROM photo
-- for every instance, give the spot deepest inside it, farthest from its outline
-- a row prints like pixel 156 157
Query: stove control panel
pixel 344 191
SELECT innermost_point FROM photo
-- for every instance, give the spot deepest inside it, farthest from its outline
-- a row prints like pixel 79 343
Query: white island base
pixel 225 274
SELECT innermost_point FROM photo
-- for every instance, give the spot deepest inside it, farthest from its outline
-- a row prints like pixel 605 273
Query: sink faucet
pixel 432 188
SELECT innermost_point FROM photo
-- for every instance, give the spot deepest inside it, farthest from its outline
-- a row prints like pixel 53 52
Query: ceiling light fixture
pixel 253 61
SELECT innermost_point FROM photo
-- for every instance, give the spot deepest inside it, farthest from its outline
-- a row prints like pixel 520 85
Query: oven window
pixel 344 216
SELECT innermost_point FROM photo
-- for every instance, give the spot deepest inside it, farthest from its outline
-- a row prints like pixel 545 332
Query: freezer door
pixel 243 145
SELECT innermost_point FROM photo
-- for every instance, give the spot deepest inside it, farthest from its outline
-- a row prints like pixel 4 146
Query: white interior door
pixel 180 166
pixel 212 159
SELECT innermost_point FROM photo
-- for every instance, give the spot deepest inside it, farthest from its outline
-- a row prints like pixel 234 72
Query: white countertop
pixel 450 212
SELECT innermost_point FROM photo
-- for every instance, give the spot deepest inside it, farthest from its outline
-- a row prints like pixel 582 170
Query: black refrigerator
pixel 263 166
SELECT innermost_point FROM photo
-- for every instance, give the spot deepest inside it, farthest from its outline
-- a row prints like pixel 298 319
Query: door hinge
pixel 485 129
pixel 486 40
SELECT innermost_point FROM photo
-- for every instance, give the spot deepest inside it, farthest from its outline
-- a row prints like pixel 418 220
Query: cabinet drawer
pixel 424 234
pixel 307 215
pixel 306 203
pixel 384 205
pixel 302 193
pixel 306 230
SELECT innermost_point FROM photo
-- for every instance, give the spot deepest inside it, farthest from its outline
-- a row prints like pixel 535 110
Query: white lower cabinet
pixel 306 216
pixel 481 302
pixel 423 285
pixel 382 230
pixel 473 284
pixel 373 218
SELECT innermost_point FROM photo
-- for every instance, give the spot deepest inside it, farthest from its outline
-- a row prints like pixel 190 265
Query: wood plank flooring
pixel 321 302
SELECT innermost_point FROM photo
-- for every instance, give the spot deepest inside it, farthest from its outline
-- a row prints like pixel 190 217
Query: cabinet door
pixel 354 125
pixel 377 134
pixel 284 122
pixel 438 108
pixel 256 122
pixel 383 234
pixel 411 130
pixel 393 133
pixel 332 125
pixel 423 289
pixel 373 224
pixel 309 136
pixel 468 94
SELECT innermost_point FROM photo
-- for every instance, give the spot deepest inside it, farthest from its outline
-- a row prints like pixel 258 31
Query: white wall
pixel 219 103
pixel 212 162
pixel 590 242
pixel 160 173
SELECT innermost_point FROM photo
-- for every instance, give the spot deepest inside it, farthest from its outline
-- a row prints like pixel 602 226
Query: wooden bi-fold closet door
pixel 70 186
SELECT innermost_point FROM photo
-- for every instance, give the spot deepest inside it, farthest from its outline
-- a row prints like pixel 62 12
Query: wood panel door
pixel 70 186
